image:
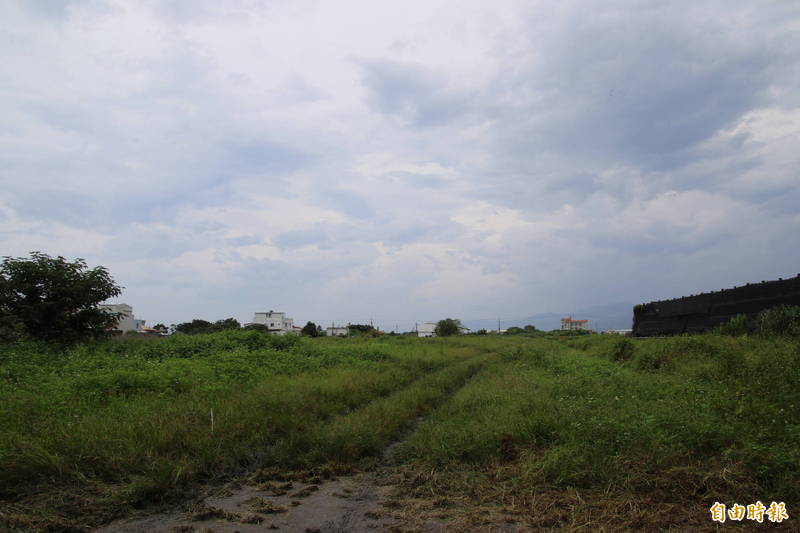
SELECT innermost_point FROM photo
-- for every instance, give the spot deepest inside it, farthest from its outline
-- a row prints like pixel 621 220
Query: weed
pixel 707 416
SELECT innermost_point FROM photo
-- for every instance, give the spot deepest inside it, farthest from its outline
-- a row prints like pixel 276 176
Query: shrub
pixel 621 350
pixel 783 321
pixel 735 327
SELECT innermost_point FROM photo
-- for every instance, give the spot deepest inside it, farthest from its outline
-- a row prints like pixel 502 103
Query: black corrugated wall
pixel 693 314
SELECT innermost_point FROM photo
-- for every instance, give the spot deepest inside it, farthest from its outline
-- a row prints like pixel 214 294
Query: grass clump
pixel 138 414
pixel 631 414
pixel 778 321
pixel 782 321
pixel 686 420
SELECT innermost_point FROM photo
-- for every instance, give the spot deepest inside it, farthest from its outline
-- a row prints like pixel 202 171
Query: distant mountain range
pixel 600 317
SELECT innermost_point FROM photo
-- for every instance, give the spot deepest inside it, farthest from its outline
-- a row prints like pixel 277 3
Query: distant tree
pixel 227 323
pixel 195 326
pixel 161 328
pixel 480 332
pixel 363 329
pixel 530 328
pixel 311 329
pixel 52 299
pixel 513 330
pixel 447 327
pixel 257 327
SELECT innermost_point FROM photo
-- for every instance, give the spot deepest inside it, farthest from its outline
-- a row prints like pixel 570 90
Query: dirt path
pixel 345 504
pixel 359 503
pixel 262 502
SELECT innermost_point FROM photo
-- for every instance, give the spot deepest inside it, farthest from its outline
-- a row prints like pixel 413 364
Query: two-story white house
pixel 276 322
pixel 338 331
pixel 127 322
pixel 568 324
pixel 426 329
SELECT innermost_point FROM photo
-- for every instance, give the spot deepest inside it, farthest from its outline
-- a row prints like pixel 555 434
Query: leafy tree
pixel 204 326
pixel 355 329
pixel 311 329
pixel 11 327
pixel 481 331
pixel 195 326
pixel 161 328
pixel 514 330
pixel 52 299
pixel 447 327
pixel 227 323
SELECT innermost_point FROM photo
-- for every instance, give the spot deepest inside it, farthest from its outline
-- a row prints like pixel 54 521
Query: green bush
pixel 783 321
pixel 735 327
pixel 621 350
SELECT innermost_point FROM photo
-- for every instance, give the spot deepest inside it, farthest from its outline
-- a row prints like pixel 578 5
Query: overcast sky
pixel 402 161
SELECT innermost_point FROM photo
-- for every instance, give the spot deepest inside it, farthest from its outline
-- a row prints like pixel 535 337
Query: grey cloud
pixel 596 106
pixel 413 94
pixel 298 89
pixel 574 188
pixel 641 84
pixel 422 181
pixel 434 229
pixel 300 238
pixel 59 10
pixel 56 205
pixel 263 156
pixel 782 201
pixel 244 240
pixel 346 201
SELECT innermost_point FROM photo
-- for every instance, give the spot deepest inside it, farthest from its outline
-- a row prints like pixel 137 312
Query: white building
pixel 126 322
pixel 276 322
pixel 338 331
pixel 426 329
pixel 569 325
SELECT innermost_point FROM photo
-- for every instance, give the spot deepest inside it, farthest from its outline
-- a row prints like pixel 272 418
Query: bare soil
pixel 350 503
pixel 308 503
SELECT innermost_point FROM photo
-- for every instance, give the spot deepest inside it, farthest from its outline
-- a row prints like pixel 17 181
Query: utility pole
pixel 498 326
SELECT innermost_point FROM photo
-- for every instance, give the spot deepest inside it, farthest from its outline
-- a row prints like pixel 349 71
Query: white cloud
pixel 349 159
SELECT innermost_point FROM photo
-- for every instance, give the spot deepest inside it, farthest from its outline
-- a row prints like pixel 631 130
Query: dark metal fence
pixel 706 311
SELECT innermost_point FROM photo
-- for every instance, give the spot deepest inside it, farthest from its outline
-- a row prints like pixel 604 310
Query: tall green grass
pixel 606 412
pixel 707 416
pixel 139 413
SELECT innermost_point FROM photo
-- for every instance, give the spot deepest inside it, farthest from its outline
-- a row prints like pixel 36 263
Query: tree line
pixel 57 300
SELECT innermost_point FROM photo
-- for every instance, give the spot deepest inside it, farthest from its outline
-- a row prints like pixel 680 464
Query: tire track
pixel 306 503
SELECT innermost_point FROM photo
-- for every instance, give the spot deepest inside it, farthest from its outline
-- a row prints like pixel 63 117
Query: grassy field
pixel 556 432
